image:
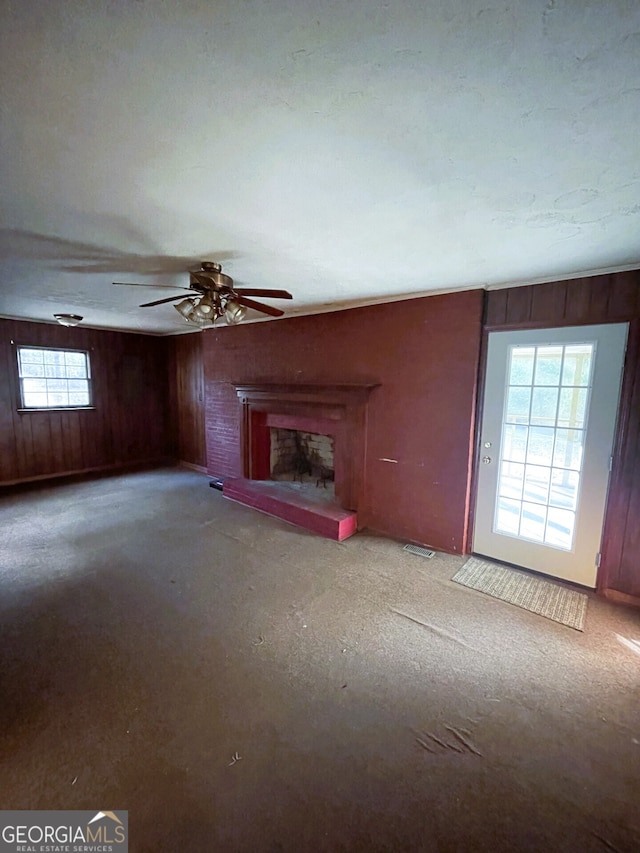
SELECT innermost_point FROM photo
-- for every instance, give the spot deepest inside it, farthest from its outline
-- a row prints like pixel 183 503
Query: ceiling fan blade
pixel 259 306
pixel 261 291
pixel 161 301
pixel 140 284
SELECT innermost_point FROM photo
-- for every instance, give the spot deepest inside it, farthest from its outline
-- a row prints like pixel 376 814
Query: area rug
pixel 524 590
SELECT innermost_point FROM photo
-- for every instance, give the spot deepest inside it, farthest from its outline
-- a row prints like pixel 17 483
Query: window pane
pixel 548 365
pixel 536 484
pixel 57 398
pixel 544 402
pixel 75 359
pixel 76 372
pixel 540 448
pixel 31 356
pixel 521 371
pixel 53 357
pixel 508 516
pixel 532 522
pixel 34 400
pixel 515 442
pixel 35 386
pixel 78 398
pixel 54 370
pixel 518 405
pixel 568 450
pixel 559 530
pixel 32 369
pixel 572 408
pixel 511 480
pixel 577 364
pixel 564 489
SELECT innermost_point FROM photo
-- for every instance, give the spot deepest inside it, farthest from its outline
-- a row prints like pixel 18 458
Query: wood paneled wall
pixel 597 299
pixel 422 353
pixel 187 398
pixel 129 423
pixel 580 301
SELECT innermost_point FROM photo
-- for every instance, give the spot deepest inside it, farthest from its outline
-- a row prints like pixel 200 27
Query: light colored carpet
pixel 150 629
pixel 525 590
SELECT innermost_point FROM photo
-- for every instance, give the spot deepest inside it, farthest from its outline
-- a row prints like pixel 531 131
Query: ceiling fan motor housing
pixel 215 279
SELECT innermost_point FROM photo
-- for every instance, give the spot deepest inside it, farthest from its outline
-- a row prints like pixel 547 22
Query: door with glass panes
pixel 547 429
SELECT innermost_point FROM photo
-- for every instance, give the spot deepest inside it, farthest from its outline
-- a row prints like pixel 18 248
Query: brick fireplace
pixel 336 412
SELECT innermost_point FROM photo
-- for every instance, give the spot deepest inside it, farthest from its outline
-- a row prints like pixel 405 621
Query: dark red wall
pixel 423 352
pixel 128 425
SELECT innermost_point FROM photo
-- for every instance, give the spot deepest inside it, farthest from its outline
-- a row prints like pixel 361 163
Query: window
pixel 53 378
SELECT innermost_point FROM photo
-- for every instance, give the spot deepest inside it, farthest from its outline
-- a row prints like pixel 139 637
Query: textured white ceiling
pixel 349 151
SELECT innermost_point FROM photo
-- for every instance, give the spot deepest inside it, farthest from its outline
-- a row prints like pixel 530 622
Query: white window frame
pixel 24 407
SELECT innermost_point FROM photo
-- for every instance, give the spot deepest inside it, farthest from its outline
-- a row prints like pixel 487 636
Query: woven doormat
pixel 524 590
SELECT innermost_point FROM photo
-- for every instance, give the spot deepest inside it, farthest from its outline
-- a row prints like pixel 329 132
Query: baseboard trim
pixel 621 597
pixel 201 469
pixel 85 472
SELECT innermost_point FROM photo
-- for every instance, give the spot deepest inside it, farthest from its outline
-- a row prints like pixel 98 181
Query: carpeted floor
pixel 151 630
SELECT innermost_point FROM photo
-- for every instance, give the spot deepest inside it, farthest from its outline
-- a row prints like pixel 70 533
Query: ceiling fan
pixel 215 297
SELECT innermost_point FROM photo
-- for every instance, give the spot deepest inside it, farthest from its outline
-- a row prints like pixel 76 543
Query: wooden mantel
pixel 345 393
pixel 336 410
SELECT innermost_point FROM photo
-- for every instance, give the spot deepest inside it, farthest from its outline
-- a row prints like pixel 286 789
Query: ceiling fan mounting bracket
pixel 211 266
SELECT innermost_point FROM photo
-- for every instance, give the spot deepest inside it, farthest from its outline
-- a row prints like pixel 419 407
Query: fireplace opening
pixel 303 461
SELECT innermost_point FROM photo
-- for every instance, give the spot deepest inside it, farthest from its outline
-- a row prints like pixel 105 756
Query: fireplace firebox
pixel 304 457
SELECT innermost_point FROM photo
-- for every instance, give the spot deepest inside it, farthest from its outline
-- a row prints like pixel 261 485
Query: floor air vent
pixel 422 552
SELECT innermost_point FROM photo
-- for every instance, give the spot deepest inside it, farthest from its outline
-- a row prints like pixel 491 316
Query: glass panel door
pixel 551 399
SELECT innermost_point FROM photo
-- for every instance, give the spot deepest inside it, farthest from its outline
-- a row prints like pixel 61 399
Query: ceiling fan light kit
pixel 189 309
pixel 216 297
pixel 202 322
pixel 205 309
pixel 234 312
pixel 68 319
pixel 186 308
